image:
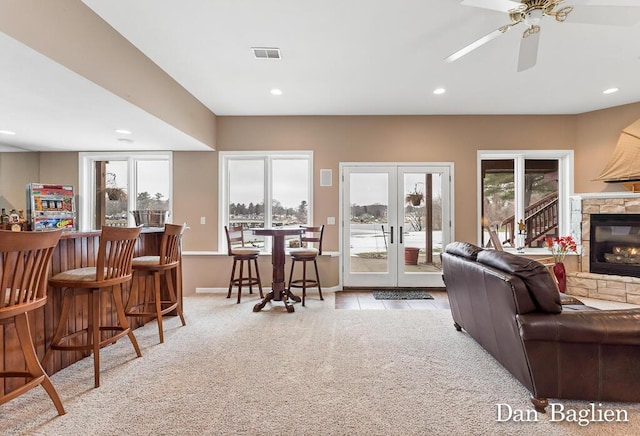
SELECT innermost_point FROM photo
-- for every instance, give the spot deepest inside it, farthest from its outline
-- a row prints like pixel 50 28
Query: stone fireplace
pixel 608 247
pixel 615 244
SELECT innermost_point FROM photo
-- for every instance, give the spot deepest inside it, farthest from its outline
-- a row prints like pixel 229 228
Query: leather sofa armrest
pixel 611 327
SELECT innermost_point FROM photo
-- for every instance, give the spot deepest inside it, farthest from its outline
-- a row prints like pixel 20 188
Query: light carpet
pixel 318 371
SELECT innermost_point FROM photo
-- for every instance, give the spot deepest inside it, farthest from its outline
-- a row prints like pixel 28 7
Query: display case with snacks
pixel 50 207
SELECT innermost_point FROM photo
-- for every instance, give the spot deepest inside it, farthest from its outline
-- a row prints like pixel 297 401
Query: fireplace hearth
pixel 615 244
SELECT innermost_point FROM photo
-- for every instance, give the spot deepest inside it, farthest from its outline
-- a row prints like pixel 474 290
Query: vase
pixel 561 276
pixel 411 255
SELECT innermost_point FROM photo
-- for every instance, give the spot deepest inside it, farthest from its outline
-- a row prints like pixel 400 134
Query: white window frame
pixel 267 157
pixel 565 183
pixel 86 190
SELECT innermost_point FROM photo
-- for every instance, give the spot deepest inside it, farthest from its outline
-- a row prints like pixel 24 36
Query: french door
pixel 395 219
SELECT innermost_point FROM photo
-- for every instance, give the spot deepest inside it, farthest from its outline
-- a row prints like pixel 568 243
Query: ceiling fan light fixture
pixel 533 17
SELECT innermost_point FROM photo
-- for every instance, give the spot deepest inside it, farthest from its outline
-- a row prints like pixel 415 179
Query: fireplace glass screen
pixel 615 244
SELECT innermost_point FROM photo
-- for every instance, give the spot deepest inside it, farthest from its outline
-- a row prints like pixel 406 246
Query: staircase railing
pixel 540 218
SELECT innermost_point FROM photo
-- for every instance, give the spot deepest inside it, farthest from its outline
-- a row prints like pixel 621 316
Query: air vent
pixel 266 53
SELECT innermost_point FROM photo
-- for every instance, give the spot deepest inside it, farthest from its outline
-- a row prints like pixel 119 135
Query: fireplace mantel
pixel 601 286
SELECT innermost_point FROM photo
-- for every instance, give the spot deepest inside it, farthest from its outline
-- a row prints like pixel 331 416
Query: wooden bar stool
pixel 165 264
pixel 112 270
pixel 307 253
pixel 25 258
pixel 242 255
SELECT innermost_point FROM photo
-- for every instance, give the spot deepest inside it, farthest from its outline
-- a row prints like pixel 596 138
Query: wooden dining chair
pixel 242 255
pixel 310 249
pixel 166 265
pixel 25 258
pixel 111 271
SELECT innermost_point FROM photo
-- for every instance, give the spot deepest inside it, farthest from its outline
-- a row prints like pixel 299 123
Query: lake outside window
pixel 264 189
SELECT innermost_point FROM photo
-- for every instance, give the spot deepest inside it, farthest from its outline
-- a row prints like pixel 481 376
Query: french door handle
pixel 400 234
pixel 391 235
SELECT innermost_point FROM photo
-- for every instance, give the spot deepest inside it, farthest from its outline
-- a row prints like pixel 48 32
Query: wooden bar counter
pixel 75 250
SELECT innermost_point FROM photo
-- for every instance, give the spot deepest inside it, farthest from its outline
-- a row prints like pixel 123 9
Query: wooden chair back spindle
pixel 115 252
pixel 25 258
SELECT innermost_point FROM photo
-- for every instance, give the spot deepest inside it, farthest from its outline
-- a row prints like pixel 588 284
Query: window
pixel 114 184
pixel 524 196
pixel 264 189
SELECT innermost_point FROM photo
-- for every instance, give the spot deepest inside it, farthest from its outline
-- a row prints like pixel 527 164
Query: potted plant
pixel 411 255
pixel 559 248
pixel 116 194
pixel 113 192
pixel 415 197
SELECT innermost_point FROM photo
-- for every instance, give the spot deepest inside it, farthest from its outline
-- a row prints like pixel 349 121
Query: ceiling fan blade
pixel 528 50
pixel 477 43
pixel 494 5
pixel 608 15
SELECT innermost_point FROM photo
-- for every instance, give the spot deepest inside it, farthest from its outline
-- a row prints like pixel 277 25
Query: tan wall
pixel 397 139
pixel 353 139
pixel 195 185
pixel 59 168
pixel 16 170
pixel 597 134
pixel 206 271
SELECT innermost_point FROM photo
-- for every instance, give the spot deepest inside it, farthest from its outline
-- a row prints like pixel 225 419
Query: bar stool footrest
pixel 300 283
pixel 149 309
pixel 89 347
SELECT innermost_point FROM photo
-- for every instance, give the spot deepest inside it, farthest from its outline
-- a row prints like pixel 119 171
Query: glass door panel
pixel 422 223
pixel 367 238
pixel 396 221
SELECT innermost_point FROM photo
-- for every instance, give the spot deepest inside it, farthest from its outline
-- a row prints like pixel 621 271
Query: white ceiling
pixel 356 57
pixel 51 108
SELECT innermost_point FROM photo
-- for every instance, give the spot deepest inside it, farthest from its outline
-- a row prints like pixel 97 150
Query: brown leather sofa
pixel 511 306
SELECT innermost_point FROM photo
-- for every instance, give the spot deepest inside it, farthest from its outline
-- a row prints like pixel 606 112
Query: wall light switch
pixel 203 220
pixel 331 220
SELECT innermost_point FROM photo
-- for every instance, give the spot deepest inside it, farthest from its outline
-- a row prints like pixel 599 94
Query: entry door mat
pixel 401 294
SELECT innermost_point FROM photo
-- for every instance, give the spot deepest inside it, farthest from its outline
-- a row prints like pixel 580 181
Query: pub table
pixel 278 289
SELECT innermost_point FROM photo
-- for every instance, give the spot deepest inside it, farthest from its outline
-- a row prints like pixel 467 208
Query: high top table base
pixel 278 289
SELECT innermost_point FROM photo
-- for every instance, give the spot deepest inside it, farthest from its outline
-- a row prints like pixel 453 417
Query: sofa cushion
pixel 535 275
pixel 463 249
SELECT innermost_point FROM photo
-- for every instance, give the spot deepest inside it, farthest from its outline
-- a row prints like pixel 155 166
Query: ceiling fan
pixel 532 12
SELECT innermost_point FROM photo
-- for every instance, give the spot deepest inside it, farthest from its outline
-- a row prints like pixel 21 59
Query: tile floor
pixel 364 300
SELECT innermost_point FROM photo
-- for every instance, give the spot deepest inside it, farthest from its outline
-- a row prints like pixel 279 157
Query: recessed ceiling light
pixel 610 90
pixel 276 92
pixel 439 91
pixel 7 132
pixel 124 131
